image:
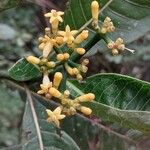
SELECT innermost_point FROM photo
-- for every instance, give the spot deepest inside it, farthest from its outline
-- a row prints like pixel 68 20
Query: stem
pixel 63 85
pixel 34 118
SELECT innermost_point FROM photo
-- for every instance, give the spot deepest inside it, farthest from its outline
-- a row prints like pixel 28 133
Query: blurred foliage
pixel 16 32
pixel 11 108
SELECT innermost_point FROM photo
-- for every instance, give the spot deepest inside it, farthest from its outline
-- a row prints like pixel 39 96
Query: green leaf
pixel 131 18
pixel 91 135
pixel 23 71
pixel 10 114
pixel 6 4
pixel 51 138
pixel 119 98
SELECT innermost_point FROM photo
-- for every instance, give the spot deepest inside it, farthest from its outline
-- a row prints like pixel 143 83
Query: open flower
pixel 54 15
pixel 45 86
pixel 55 116
pixel 68 34
pixel 55 18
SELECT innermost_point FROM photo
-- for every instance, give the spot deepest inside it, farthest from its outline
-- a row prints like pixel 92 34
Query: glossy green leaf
pixel 6 4
pixel 50 134
pixel 119 98
pixel 131 17
pixel 23 71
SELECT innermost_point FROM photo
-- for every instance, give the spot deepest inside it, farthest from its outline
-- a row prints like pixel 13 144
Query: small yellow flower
pixel 45 86
pixel 54 15
pixel 68 34
pixel 55 116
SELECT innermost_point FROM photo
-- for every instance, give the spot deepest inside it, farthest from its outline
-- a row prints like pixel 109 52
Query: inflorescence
pixel 52 42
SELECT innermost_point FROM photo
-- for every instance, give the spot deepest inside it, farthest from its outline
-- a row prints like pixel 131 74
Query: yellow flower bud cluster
pixel 117 46
pixel 70 106
pixel 77 71
pixel 63 57
pixel 107 26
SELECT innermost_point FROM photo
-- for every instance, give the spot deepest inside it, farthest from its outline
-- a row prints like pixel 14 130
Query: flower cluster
pixel 68 106
pixel 52 41
pixel 66 47
pixel 105 27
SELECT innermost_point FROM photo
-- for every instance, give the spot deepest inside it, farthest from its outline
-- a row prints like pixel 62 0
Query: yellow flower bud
pixel 41 46
pixel 33 60
pixel 85 62
pixel 103 30
pixel 47 49
pixel 60 40
pixel 80 51
pixel 57 79
pixel 94 9
pixel 85 97
pixel 60 57
pixel 66 56
pixel 75 71
pixel 115 52
pixel 40 39
pixel 47 31
pixel 85 110
pixel 81 37
pixel 84 68
pixel 111 45
pixel 70 71
pixel 79 77
pixel 54 92
pixel 121 47
pixel 51 64
pixel 66 93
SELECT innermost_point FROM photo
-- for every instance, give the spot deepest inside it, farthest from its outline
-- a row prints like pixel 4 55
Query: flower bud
pixel 85 97
pixel 60 57
pixel 51 64
pixel 33 60
pixel 41 46
pixel 47 49
pixel 79 77
pixel 85 62
pixel 94 9
pixel 115 52
pixel 85 110
pixel 110 45
pixel 84 68
pixel 66 93
pixel 66 56
pixel 80 51
pixel 59 40
pixel 47 31
pixel 75 71
pixel 54 92
pixel 81 37
pixel 57 79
